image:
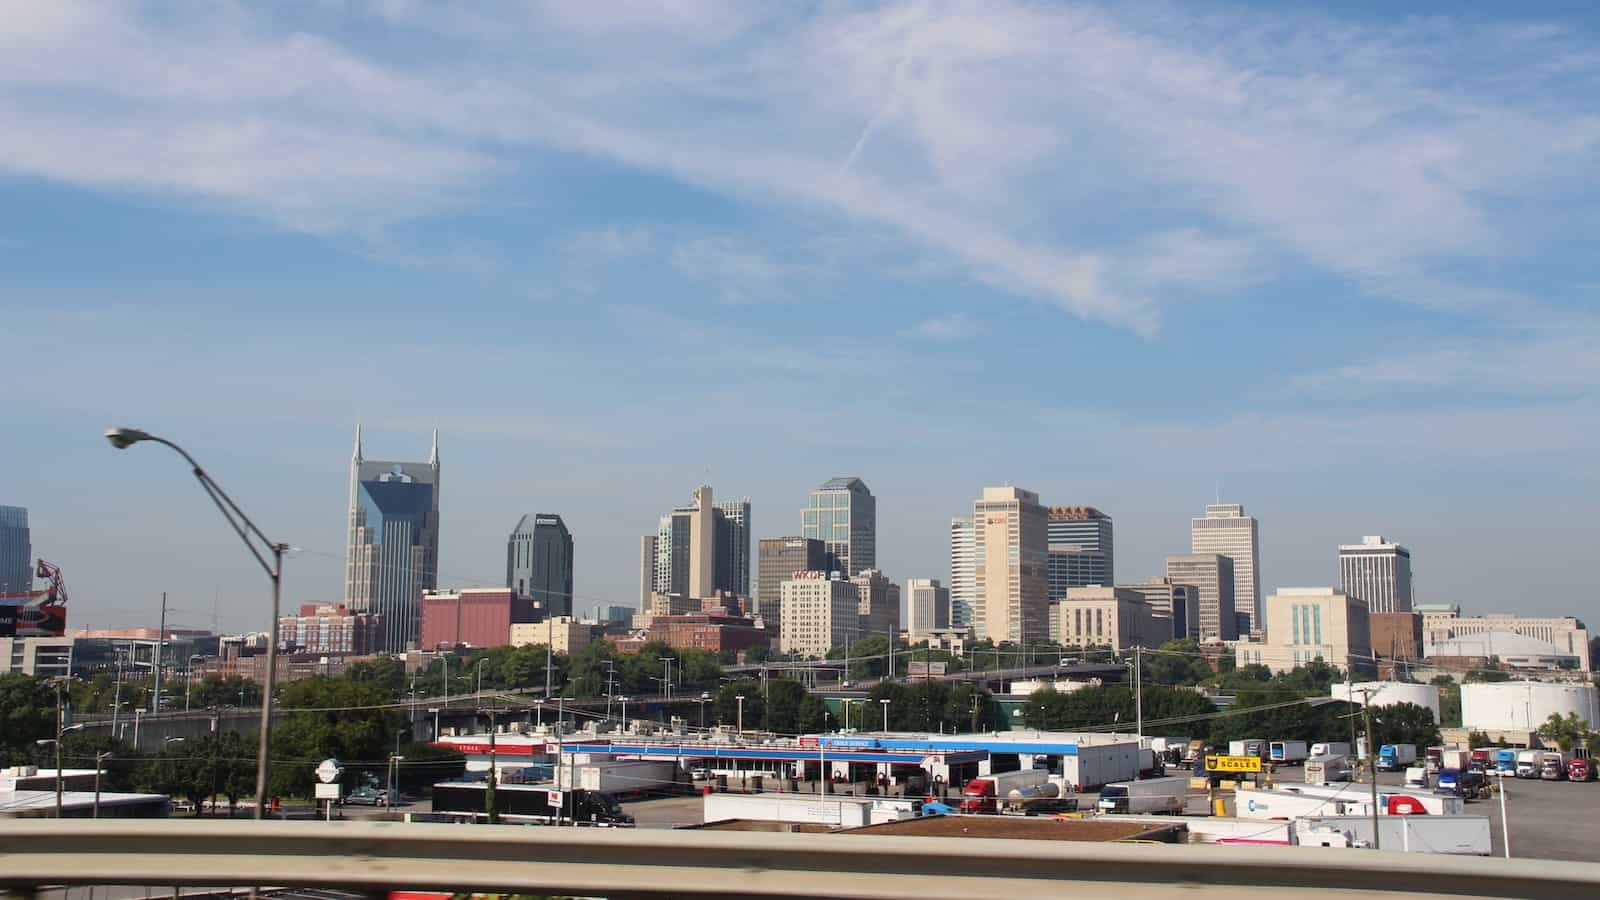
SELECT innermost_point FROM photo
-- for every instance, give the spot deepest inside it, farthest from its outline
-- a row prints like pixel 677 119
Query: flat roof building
pixel 1226 530
pixel 1378 572
pixel 1011 560
pixel 1212 575
pixel 817 613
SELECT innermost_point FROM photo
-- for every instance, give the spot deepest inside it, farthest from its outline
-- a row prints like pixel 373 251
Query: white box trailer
pixel 621 777
pixel 1433 803
pixel 1288 753
pixel 1331 748
pixel 1462 835
pixel 1321 770
pixel 1094 765
pixel 1290 805
pixel 1166 796
pixel 841 812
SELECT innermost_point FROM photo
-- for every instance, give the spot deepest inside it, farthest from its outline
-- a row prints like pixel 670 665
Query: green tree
pixel 1486 676
pixel 727 705
pixel 1176 662
pixel 330 717
pixel 1404 723
pixel 1449 700
pixel 1565 732
pixel 27 715
pixel 216 691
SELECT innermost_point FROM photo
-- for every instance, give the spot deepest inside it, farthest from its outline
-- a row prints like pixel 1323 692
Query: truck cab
pixel 1528 764
pixel 1553 766
pixel 979 797
pixel 1580 769
pixel 1505 762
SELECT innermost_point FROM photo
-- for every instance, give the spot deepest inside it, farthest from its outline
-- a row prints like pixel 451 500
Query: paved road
pixel 1549 819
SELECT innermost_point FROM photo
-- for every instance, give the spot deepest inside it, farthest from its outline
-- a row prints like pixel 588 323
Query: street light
pixel 99 763
pixel 123 438
pixel 666 683
pixel 885 704
pixel 538 704
pixel 60 784
pixel 624 715
pixel 740 698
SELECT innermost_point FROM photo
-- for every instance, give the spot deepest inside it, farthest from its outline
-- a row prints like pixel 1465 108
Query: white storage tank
pixel 1387 693
pixel 1524 705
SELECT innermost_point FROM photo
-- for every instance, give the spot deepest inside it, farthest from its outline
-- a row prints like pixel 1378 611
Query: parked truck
pixel 1456 758
pixel 1528 763
pixel 530 803
pixel 1580 769
pixel 1505 762
pixel 983 794
pixel 1465 783
pixel 1553 765
pixel 1463 835
pixel 1248 747
pixel 620 777
pixel 1193 753
pixel 1327 769
pixel 1331 748
pixel 1394 757
pixel 1287 753
pixel 1433 759
pixel 1162 796
pixel 1049 797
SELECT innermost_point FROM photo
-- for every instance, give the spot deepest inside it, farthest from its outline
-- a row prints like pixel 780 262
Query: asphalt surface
pixel 1548 819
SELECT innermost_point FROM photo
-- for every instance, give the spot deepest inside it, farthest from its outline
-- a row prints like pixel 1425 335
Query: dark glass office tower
pixel 392 554
pixel 539 562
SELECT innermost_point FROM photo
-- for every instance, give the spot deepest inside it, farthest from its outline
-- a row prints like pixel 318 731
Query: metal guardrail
pixel 379 856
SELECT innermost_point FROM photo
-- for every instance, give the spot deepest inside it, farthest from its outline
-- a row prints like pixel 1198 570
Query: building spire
pixel 433 454
pixel 357 456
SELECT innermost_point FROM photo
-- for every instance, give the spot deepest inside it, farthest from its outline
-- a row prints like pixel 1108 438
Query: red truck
pixel 985 793
pixel 1580 769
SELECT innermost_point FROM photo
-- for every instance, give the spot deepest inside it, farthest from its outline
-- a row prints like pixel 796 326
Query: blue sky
pixel 1342 266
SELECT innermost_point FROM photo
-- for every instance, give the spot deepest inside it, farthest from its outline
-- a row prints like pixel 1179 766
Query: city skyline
pixel 900 215
pixel 456 577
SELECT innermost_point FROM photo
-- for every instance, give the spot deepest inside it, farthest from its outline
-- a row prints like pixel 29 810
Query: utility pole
pixel 161 641
pixel 488 794
pixel 1372 765
pixel 1138 693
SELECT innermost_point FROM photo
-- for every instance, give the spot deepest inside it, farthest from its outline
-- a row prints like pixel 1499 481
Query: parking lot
pixel 1549 819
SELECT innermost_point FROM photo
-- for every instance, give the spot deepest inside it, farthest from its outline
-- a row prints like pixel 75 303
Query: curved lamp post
pixel 256 542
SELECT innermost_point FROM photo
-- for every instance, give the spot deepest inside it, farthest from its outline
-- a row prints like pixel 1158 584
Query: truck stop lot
pixel 1549 819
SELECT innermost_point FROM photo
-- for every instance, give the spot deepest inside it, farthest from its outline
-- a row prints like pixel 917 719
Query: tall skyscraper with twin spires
pixel 392 552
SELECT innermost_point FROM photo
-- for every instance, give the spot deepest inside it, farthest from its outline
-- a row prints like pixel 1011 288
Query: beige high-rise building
pixel 1306 624
pixel 1212 574
pixel 1011 557
pixel 1225 529
pixel 927 607
pixel 816 613
pixel 1104 617
pixel 702 544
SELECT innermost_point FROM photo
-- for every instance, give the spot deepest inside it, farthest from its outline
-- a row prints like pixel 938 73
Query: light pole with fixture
pixel 885 704
pixel 740 699
pixel 256 542
pixel 99 763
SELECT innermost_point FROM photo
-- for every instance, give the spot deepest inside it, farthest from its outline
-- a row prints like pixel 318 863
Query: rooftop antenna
pixel 1219 491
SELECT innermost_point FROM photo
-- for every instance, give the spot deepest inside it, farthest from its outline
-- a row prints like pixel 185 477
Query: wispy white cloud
pixel 944 328
pixel 984 133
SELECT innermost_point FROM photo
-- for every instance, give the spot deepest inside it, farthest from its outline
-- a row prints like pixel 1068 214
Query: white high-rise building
pixel 1378 572
pixel 963 571
pixel 927 606
pixel 647 569
pixel 1011 563
pixel 1227 531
